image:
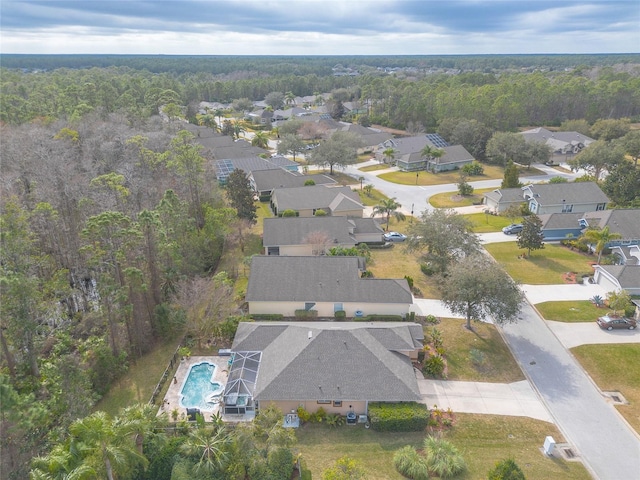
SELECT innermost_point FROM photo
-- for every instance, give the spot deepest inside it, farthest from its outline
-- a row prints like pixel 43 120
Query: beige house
pixel 282 285
pixel 339 366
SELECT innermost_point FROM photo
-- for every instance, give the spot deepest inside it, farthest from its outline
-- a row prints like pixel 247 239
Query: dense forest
pixel 112 223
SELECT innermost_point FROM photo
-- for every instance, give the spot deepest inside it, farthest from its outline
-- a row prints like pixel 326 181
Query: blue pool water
pixel 199 387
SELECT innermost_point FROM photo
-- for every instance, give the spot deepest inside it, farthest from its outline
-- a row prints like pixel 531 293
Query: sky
pixel 326 27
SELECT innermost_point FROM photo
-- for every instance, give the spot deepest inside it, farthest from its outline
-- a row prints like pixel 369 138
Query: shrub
pixel 473 168
pixel 267 317
pixel 409 281
pixel 477 357
pixel 306 314
pixel 320 213
pixel 335 420
pixel 309 182
pixel 280 463
pixel 398 417
pixel 506 470
pixel 410 464
pixel 289 213
pixel 435 336
pixel 303 415
pixel 380 318
pixel 319 415
pixel 431 320
pixel 558 179
pixel 340 314
pixel 427 269
pixel 465 189
pixel 443 458
pixel 434 366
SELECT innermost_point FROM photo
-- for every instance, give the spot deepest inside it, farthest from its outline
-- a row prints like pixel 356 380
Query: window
pixel 309 305
pixel 337 403
pixel 324 402
pixel 337 307
pixel 567 208
pixel 600 206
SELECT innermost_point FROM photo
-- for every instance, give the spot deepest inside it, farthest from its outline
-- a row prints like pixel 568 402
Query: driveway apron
pixel 607 445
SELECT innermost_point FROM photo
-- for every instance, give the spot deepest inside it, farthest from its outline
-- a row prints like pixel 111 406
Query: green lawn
pixel 453 200
pixel 544 267
pixel 483 223
pixel 138 384
pixel 372 199
pixel 615 368
pixel 576 311
pixel 428 178
pixel 498 365
pixel 482 439
pixel 373 168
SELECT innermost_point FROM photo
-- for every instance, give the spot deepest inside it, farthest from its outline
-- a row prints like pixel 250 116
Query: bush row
pixel 398 417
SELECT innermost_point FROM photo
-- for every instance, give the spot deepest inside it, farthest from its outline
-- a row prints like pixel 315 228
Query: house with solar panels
pixel 408 157
pixel 249 164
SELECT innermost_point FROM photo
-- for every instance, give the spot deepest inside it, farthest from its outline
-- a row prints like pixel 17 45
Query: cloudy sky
pixel 326 27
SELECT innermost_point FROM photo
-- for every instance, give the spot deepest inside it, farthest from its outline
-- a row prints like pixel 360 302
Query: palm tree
pixel 218 114
pixel 142 420
pixel 289 98
pixel 389 154
pixel 60 464
pixel 442 457
pixel 104 444
pixel 207 120
pixel 212 446
pixel 237 129
pixel 431 152
pixel 389 207
pixel 600 237
pixel 260 140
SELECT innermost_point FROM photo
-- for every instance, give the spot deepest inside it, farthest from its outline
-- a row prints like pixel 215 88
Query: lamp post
pixel 417 174
pixel 411 220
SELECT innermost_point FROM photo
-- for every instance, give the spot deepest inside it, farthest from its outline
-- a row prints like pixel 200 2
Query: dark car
pixel 610 322
pixel 513 228
pixel 394 237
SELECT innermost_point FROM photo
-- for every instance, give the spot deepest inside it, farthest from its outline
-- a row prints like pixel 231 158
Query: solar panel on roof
pixel 437 140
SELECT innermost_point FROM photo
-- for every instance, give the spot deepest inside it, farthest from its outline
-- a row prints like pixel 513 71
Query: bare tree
pixel 319 241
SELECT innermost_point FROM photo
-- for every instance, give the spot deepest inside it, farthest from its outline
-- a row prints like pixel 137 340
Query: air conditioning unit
pixel 362 419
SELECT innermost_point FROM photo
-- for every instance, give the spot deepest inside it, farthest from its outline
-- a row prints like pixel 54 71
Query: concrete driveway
pixel 584 333
pixel 573 291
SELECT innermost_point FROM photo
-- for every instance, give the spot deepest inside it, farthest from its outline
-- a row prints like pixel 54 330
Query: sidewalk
pixel 513 399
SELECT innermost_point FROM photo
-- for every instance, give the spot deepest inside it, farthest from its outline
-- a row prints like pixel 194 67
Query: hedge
pixel 306 314
pixel 340 314
pixel 379 318
pixel 398 417
pixel 267 316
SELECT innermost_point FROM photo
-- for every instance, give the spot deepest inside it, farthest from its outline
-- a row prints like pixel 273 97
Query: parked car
pixel 513 228
pixel 610 322
pixel 394 237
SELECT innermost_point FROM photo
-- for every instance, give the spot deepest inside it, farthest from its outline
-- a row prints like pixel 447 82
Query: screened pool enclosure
pixel 241 383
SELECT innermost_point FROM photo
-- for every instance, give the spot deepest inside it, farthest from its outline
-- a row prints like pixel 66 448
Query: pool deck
pixel 172 398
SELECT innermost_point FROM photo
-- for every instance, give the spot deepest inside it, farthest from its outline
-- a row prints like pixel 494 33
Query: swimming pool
pixel 199 390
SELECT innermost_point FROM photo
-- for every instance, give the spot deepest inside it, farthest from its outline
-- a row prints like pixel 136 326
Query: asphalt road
pixel 603 440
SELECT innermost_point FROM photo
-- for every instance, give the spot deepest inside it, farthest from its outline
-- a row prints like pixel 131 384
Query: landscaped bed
pixel 453 199
pixel 543 267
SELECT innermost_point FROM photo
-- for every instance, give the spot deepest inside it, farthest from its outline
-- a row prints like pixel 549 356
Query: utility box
pixel 549 446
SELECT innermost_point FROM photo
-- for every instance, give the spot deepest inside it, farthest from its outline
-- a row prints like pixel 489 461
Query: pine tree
pixel 241 195
pixel 510 179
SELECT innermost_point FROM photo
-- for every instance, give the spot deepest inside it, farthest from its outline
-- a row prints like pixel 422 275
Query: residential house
pixel 563 145
pixel 407 153
pixel 261 117
pixel 265 181
pixel 249 164
pixel 626 222
pixel 338 366
pixel 500 199
pixel 619 277
pixel 282 285
pixel 304 236
pixel 543 198
pixel 305 201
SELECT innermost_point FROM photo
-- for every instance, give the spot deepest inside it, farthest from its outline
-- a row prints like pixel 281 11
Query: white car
pixel 394 237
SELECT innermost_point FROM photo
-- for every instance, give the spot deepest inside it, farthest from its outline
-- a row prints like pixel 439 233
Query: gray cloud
pixel 454 26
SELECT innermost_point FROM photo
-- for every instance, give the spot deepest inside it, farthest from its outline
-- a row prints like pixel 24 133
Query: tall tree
pixel 505 146
pixel 389 155
pixel 275 100
pixel 260 139
pixel 631 145
pixel 621 185
pixel 608 129
pixel 511 177
pixel 211 447
pixel 290 144
pixel 579 125
pixel 531 236
pixel 431 153
pixel 388 207
pixel 599 237
pixel 479 288
pixel 339 150
pixel 598 157
pixel 241 195
pixel 441 236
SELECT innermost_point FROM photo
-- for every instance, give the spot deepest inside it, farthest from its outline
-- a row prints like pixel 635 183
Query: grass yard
pixel 483 223
pixel 544 267
pixel 496 364
pixel 615 368
pixel 374 168
pixel 373 199
pixel 571 311
pixel 428 178
pixel 453 200
pixel 138 384
pixel 482 439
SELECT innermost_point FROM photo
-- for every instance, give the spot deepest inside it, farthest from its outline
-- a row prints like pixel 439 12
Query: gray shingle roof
pixel 346 361
pixel 506 195
pixel 267 180
pixel 552 221
pixel 626 222
pixel 580 193
pixel 454 154
pixel 627 275
pixel 294 230
pixel 366 225
pixel 316 196
pixel 320 279
pixel 555 139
